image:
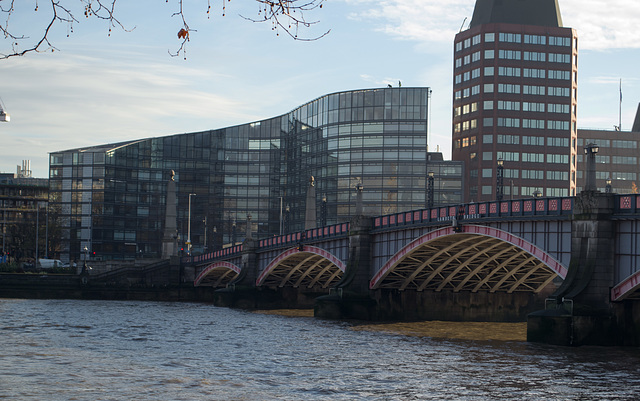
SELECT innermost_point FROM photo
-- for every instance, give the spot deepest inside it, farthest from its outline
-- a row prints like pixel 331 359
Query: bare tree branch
pixel 285 15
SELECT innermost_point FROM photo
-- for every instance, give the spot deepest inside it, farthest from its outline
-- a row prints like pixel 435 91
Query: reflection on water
pixel 96 350
pixel 481 331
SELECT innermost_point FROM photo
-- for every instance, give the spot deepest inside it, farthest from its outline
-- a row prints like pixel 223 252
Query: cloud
pixel 600 25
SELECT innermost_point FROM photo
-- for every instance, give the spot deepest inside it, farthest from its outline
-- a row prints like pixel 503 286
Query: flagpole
pixel 620 111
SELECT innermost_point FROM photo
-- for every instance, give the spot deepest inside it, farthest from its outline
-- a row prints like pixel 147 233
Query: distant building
pixel 515 97
pixel 111 198
pixel 23 206
pixel 618 158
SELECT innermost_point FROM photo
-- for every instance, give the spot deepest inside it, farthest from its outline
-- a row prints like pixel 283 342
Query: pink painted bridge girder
pixel 293 251
pixel 514 240
pixel 626 287
pixel 213 267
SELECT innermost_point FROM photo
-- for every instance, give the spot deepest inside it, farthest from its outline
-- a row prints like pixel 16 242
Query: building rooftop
pixel 524 12
pixel 636 122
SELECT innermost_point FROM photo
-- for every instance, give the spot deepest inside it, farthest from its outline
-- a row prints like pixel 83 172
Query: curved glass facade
pixel 111 198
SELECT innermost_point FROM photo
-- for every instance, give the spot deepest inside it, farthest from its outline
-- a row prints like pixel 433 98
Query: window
pixel 535 56
pixel 533 140
pixel 488 71
pixel 509 139
pixel 458 62
pixel 467 59
pixel 533 107
pixel 508 105
pixel 475 57
pixel 487 122
pixel 487 138
pixel 476 40
pixel 475 73
pixel 533 90
pixel 487 173
pixel 458 46
pixel 487 156
pixel 624 144
pixel 457 95
pixel 510 54
pixel 488 105
pixel 534 73
pixel 509 122
pixel 535 40
pixel 560 159
pixel 488 88
pixel 556 91
pixel 467 43
pixel 532 174
pixel 536 124
pixel 559 58
pixel 508 156
pixel 489 37
pixel 475 90
pixel 560 142
pixel 625 160
pixel 509 71
pixel 558 108
pixel 489 54
pixel 532 158
pixel 558 175
pixel 458 79
pixel 510 37
pixel 508 88
pixel 555 74
pixel 559 41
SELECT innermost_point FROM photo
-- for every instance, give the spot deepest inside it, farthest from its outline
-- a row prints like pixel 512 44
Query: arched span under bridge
pixel 307 267
pixel 479 259
pixel 217 274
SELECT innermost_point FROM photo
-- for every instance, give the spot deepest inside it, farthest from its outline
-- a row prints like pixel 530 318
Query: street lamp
pixel 189 227
pixel 537 193
pixel 590 151
pixel 323 211
pixel 430 190
pixel 500 180
pixel 608 188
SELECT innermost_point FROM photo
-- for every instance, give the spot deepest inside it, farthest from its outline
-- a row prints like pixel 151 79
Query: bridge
pixel 558 262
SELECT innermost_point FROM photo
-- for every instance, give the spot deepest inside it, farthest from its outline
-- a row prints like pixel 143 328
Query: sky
pixel 98 88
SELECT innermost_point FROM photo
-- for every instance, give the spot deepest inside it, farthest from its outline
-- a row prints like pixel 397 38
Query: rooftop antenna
pixel 462 26
pixel 4 116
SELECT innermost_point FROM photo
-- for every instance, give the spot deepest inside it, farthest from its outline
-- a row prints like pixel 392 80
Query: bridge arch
pixel 477 258
pixel 308 267
pixel 217 274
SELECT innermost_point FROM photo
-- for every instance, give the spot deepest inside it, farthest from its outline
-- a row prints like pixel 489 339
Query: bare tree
pixel 284 15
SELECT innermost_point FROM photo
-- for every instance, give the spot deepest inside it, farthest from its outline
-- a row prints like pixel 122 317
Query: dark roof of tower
pixel 636 122
pixel 525 12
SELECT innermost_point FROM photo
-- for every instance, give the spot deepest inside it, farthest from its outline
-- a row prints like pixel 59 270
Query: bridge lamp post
pixel 500 180
pixel 590 151
pixel 608 189
pixel 430 190
pixel 323 211
pixel 189 227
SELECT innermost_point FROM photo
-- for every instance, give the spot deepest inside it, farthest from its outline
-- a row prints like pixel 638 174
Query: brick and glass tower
pixel 514 101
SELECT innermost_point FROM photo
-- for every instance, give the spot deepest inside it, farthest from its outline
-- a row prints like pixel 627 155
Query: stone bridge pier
pixel 581 312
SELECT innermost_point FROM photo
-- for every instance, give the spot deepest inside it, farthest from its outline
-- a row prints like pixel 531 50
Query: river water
pixel 120 350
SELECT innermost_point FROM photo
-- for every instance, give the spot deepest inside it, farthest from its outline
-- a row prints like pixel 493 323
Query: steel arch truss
pixel 308 268
pixel 216 275
pixel 478 259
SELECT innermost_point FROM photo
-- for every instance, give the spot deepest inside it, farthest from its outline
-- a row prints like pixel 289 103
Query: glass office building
pixel 110 199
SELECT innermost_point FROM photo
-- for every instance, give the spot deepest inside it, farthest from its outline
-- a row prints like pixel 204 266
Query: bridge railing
pixel 480 210
pixel 314 234
pixel 627 204
pixel 222 253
